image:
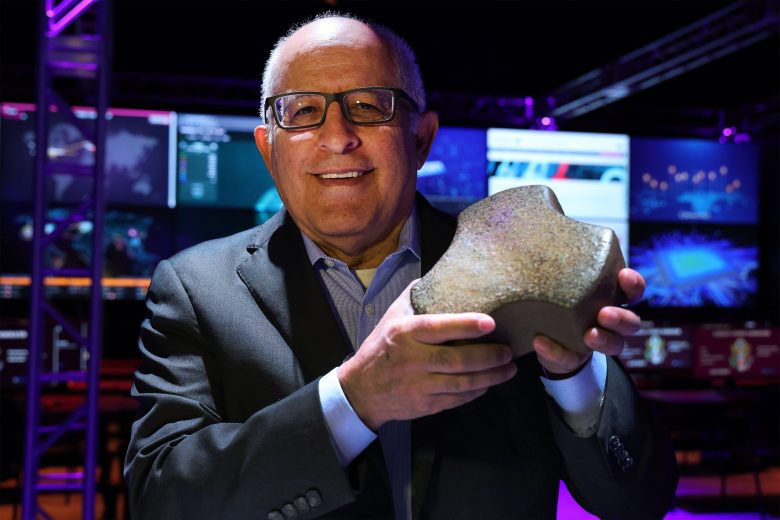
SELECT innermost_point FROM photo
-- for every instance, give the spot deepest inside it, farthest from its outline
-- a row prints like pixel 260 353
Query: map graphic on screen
pixel 137 162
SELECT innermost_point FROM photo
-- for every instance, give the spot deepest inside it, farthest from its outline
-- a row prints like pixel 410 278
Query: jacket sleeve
pixel 185 460
pixel 627 469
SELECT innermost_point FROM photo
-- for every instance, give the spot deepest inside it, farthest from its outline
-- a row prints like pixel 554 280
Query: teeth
pixel 345 175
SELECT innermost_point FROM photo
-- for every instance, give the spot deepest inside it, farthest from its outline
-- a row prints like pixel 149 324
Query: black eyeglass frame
pixel 338 96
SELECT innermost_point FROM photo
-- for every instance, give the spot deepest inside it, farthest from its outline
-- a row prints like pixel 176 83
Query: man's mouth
pixel 342 175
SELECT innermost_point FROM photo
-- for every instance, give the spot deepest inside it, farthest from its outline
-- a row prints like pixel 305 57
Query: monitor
pixel 697 266
pixel 219 166
pixel 693 180
pixel 138 165
pixel 588 172
pixel 134 241
pixel 659 348
pixel 737 353
pixel 453 177
pixel 62 353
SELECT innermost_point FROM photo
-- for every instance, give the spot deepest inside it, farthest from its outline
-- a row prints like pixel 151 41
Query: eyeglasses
pixel 360 106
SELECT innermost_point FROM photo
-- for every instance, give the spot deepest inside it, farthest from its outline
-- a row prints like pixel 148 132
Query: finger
pixel 466 358
pixel 473 381
pixel 632 284
pixel 556 357
pixel 618 320
pixel 435 329
pixel 604 341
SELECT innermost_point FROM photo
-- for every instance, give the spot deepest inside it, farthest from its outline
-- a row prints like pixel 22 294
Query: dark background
pixel 208 56
pixel 509 48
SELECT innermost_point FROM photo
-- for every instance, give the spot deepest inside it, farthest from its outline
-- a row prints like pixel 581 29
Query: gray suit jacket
pixel 238 331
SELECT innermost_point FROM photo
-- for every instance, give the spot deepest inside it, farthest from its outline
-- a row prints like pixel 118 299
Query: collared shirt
pixel 359 311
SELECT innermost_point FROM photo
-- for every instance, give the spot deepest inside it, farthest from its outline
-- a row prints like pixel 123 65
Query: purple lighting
pixel 545 123
pixel 56 27
pixel 730 134
pixel 529 107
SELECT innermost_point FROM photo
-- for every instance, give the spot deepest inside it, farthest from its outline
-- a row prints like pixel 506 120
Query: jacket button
pixel 614 443
pixel 314 498
pixel 289 511
pixel 275 515
pixel 622 454
pixel 301 504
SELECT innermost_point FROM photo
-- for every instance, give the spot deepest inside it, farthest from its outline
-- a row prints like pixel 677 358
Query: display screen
pixel 454 177
pixel 219 166
pixel 696 266
pixel 693 180
pixel 588 172
pixel 138 163
pixel 134 241
pixel 737 353
pixel 61 352
pixel 657 348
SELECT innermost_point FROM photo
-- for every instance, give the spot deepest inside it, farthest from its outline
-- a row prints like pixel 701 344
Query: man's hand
pixel 614 324
pixel 402 372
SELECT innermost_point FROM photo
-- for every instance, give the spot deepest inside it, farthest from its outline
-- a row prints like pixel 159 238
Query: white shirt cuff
pixel 579 397
pixel 350 436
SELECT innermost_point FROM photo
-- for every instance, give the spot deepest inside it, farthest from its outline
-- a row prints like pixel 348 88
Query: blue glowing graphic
pixel 695 268
pixel 454 174
pixel 689 180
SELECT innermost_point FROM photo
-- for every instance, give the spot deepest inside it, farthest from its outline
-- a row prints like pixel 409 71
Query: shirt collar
pixel 408 240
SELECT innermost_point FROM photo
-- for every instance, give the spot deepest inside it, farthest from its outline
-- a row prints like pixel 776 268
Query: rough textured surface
pixel 516 257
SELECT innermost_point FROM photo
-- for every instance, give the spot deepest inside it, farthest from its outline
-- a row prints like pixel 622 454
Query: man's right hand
pixel 402 372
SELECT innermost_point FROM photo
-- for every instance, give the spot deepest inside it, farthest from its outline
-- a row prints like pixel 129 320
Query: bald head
pixel 338 30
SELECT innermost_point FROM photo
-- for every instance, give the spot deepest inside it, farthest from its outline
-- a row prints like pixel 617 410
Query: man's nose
pixel 337 134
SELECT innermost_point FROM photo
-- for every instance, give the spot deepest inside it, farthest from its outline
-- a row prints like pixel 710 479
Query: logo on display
pixel 741 357
pixel 655 349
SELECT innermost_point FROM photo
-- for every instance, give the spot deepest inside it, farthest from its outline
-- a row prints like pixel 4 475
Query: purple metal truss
pixel 83 56
pixel 734 27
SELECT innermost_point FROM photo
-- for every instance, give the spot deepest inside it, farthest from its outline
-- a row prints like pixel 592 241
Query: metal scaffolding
pixel 72 47
pixel 724 32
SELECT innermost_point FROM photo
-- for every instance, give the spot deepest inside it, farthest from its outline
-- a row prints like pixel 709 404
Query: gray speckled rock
pixel 516 257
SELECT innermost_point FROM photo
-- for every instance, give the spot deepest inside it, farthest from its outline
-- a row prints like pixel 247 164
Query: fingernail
pixel 508 355
pixel 609 318
pixel 541 342
pixel 486 324
pixel 596 339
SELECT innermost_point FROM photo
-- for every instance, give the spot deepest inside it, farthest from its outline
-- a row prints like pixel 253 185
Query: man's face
pixel 348 187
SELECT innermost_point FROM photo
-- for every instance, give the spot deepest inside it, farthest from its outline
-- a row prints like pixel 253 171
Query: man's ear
pixel 427 126
pixel 261 140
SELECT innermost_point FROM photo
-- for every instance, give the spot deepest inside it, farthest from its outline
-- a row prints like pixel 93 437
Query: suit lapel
pixel 281 279
pixel 436 232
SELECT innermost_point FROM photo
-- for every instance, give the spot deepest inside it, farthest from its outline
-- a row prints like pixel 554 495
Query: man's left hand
pixel 614 323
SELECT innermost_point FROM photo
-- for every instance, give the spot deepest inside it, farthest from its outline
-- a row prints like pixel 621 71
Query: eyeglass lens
pixel 360 106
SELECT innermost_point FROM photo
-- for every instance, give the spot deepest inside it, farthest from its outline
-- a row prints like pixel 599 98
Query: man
pixel 285 376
